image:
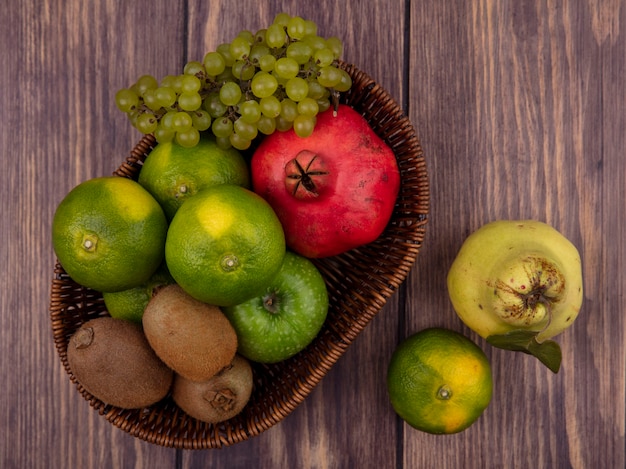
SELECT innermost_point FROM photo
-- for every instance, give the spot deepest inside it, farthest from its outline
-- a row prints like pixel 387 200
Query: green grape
pixel 259 37
pixel 297 89
pixel 167 121
pixel 193 68
pixel 126 100
pixel 226 75
pixel 224 50
pixel 223 142
pixel 146 123
pixel 201 120
pixel 165 96
pixel 275 36
pixel 346 82
pixel 308 107
pixel 270 106
pixel 168 81
pixel 263 84
pixel 286 67
pixel 282 19
pixel 281 81
pixel 247 35
pixel 222 127
pixel 243 71
pixel 214 63
pixel 239 142
pixel 245 129
pixel 329 76
pixel 323 104
pixel 257 52
pixel 181 122
pixel 190 84
pixel 163 135
pixel 177 83
pixel 230 93
pixel 288 109
pixel 310 28
pixel 303 126
pixel 151 101
pixel 266 125
pixel 190 101
pixel 335 44
pixel 214 106
pixel 324 57
pixel 132 117
pixel 146 82
pixel 282 124
pixel 188 138
pixel 315 42
pixel 267 62
pixel 316 91
pixel 296 27
pixel 300 52
pixel 239 48
pixel 250 111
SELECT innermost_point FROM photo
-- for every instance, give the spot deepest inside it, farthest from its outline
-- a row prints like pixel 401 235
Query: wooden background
pixel 519 106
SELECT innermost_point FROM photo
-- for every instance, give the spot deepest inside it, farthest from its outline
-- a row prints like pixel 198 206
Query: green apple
pixel 286 318
pixel 518 283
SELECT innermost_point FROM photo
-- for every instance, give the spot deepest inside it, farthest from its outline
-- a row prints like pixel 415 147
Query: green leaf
pixel 547 352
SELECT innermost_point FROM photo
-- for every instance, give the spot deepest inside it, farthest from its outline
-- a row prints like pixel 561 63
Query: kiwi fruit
pixel 193 338
pixel 219 398
pixel 113 361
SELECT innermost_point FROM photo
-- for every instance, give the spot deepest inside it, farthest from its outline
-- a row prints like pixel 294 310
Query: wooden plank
pixel 346 421
pixel 63 62
pixel 518 104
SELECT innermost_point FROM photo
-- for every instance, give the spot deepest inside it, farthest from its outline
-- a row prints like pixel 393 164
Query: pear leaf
pixel 547 352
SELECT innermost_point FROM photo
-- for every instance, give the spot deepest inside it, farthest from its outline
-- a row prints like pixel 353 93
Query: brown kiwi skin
pixel 220 398
pixel 113 361
pixel 193 338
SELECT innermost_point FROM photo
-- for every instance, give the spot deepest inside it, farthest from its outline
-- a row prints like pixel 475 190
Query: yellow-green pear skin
pixel 512 275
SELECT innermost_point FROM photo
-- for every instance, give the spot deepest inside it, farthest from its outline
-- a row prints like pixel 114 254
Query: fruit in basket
pixel 173 173
pixel 218 399
pixel 109 234
pixel 334 190
pixel 224 245
pixel 439 381
pixel 130 304
pixel 193 338
pixel 113 361
pixel 277 78
pixel 286 317
pixel 518 284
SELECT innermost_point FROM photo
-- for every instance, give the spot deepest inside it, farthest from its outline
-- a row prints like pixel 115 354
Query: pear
pixel 518 283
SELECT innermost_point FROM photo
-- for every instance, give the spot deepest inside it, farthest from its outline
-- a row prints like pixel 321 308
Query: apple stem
pixel 270 302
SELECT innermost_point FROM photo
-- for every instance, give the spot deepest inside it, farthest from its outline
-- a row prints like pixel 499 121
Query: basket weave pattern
pixel 359 283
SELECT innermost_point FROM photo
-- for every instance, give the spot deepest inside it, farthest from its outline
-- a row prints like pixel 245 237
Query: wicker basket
pixel 359 283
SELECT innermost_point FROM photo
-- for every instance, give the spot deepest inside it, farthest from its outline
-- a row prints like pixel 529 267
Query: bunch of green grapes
pixel 278 78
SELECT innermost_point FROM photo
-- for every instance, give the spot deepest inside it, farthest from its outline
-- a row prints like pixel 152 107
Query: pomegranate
pixel 332 191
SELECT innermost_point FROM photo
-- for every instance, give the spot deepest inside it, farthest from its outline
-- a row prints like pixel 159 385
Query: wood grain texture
pixel 520 106
pixel 62 63
pixel 520 110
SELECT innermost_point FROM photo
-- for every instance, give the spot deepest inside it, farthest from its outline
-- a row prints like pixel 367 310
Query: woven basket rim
pixel 360 283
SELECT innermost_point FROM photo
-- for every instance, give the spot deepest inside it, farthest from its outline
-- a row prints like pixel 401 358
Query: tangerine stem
pixel 444 392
